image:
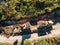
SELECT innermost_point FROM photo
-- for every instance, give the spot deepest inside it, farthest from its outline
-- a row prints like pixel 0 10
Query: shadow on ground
pixel 42 30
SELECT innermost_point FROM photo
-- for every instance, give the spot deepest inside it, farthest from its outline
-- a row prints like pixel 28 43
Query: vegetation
pixel 44 41
pixel 16 9
pixel 9 43
pixel 48 41
pixel 6 43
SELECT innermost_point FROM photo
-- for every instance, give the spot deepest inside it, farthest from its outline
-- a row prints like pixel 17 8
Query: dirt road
pixel 33 36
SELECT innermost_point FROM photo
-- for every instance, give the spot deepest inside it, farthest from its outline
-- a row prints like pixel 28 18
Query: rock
pixel 50 22
pixel 26 25
pixel 7 30
pixel 42 23
pixel 33 28
pixel 16 30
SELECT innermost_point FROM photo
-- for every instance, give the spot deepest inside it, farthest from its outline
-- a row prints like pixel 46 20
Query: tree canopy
pixel 16 9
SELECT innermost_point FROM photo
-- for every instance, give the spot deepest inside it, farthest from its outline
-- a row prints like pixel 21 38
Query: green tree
pixel 16 9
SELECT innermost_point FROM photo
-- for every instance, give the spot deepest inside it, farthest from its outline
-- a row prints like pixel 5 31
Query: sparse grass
pixel 19 43
pixel 47 41
pixel 6 43
pixel 9 43
pixel 26 42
